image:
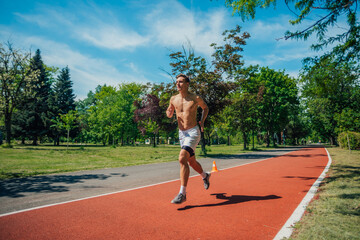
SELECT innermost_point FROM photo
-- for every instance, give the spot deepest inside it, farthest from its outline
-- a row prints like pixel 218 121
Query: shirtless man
pixel 186 104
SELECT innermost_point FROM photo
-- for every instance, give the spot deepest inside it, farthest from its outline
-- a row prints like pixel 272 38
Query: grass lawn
pixel 24 161
pixel 335 211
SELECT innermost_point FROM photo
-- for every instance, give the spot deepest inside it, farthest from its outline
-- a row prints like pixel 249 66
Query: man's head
pixel 182 82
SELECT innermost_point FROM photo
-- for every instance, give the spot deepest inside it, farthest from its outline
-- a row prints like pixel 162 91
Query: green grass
pixel 335 211
pixel 24 161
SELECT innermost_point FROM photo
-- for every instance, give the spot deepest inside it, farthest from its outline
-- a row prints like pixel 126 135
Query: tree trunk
pixel 34 143
pixel 228 140
pixel 68 133
pixel 8 127
pixel 244 138
pixel 268 140
pixel 253 138
pixel 154 140
pixel 203 143
pixel 209 140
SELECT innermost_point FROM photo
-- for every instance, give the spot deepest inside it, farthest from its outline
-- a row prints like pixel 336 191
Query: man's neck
pixel 184 93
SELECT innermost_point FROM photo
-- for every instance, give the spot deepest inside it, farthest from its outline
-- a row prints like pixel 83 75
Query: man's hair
pixel 184 76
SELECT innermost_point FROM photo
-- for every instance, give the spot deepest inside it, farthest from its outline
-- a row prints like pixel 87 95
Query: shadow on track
pixel 16 188
pixel 233 199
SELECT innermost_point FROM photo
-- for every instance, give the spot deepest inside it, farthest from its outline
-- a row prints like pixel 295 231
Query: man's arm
pixel 205 111
pixel 171 109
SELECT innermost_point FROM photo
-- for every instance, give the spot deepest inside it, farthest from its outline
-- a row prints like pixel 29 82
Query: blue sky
pixel 112 42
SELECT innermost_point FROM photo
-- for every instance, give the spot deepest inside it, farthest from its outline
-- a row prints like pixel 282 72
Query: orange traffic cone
pixel 214 168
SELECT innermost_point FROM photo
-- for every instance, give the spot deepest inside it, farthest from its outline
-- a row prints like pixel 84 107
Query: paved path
pixel 25 193
pixel 251 201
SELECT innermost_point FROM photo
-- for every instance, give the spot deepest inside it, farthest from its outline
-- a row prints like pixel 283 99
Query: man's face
pixel 181 83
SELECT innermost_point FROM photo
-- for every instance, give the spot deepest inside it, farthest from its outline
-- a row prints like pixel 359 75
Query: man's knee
pixel 192 161
pixel 183 157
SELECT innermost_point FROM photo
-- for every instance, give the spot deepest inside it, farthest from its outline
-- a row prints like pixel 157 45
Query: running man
pixel 186 104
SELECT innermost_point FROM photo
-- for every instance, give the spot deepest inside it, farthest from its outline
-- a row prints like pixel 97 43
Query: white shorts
pixel 190 137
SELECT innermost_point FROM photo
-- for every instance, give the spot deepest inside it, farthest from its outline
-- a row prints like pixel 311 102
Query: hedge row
pixel 349 137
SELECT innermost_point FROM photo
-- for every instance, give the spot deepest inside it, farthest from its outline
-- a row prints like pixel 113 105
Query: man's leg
pixel 184 167
pixel 195 165
pixel 184 176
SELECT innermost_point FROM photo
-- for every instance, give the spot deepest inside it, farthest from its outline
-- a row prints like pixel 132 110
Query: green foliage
pixel 32 118
pixel 64 97
pixel 247 8
pixel 17 82
pixel 331 92
pixel 352 138
pixel 324 14
pixel 113 111
pixel 279 100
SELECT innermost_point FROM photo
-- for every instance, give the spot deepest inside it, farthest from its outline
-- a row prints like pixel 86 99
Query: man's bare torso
pixel 186 110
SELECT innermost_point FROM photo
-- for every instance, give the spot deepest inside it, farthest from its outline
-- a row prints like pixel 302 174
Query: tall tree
pixel 280 97
pixel 33 116
pixel 17 81
pixel 329 88
pixel 64 94
pixel 63 99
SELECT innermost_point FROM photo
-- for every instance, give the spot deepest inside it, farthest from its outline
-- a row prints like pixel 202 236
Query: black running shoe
pixel 206 181
pixel 180 198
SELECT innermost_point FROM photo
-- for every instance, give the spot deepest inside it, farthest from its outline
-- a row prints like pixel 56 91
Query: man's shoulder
pixel 196 97
pixel 174 97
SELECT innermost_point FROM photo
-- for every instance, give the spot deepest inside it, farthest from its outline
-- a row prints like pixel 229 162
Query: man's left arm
pixel 205 111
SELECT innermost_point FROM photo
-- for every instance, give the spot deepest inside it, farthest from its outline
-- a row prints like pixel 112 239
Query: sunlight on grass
pixel 23 161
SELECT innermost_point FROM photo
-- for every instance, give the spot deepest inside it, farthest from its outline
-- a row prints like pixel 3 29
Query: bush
pixel 6 145
pixel 354 140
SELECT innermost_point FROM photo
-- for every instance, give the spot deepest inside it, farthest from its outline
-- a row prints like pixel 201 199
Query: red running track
pixel 247 202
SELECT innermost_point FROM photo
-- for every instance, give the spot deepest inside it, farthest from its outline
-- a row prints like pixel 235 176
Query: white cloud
pixel 111 37
pixel 91 24
pixel 86 71
pixel 265 31
pixel 173 25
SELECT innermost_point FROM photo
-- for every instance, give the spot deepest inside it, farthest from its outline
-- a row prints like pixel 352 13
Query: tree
pixel 67 122
pixel 225 125
pixel 17 80
pixel 64 94
pixel 63 99
pixel 112 114
pixel 324 14
pixel 32 118
pixel 148 116
pixel 329 88
pixel 279 98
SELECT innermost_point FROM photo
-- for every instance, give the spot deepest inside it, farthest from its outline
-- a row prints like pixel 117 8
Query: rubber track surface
pixel 247 202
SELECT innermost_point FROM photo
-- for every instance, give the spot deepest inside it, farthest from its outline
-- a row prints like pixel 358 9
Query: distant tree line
pixel 247 104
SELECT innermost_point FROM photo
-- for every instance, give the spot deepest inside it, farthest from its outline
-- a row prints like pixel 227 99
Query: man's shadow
pixel 234 199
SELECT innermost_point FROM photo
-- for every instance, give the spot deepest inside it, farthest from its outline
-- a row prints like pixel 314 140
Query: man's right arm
pixel 171 109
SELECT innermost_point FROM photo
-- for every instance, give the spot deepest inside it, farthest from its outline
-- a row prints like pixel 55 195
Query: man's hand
pixel 201 126
pixel 170 111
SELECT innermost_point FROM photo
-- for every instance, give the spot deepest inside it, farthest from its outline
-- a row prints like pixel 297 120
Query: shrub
pixel 6 145
pixel 354 140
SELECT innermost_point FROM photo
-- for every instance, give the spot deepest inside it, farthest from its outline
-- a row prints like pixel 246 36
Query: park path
pixel 251 201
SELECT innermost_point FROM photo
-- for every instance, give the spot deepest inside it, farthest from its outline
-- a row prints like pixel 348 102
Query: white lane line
pixel 287 229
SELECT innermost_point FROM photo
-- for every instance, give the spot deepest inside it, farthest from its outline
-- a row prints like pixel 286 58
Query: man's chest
pixel 185 105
